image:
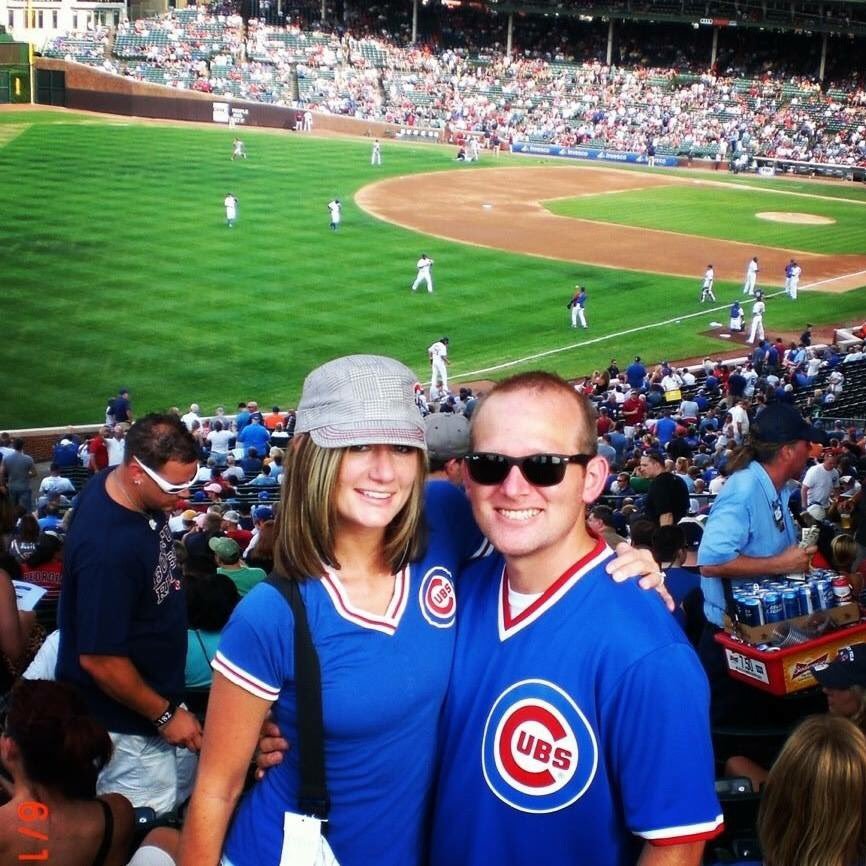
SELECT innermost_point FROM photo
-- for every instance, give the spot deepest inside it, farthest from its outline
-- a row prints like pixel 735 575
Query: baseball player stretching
pixel 707 285
pixel 751 277
pixel 757 318
pixel 438 354
pixel 425 263
pixel 577 305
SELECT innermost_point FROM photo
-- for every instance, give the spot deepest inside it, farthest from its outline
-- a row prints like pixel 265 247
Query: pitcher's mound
pixel 810 219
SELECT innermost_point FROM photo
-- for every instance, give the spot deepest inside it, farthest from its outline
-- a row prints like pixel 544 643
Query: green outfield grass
pixel 714 212
pixel 117 269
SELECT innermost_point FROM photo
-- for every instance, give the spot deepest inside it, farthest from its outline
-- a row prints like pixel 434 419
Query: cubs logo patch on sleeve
pixel 437 597
pixel 539 753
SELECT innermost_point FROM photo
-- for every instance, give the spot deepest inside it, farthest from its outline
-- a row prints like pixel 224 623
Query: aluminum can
pixel 790 603
pixel 842 593
pixel 807 602
pixel 773 607
pixel 823 592
pixel 753 611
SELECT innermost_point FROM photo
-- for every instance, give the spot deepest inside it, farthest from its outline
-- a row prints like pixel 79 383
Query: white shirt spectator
pixel 820 483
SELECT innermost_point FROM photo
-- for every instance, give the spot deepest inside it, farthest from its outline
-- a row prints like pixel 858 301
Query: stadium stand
pixel 685 110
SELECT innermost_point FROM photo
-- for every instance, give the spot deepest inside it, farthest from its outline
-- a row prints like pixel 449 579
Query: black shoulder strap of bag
pixel 313 796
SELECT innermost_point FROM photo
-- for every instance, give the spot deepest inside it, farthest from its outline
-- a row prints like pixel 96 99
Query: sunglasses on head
pixel 540 470
pixel 161 483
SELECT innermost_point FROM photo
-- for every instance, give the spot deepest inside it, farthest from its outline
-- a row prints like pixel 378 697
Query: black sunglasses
pixel 540 470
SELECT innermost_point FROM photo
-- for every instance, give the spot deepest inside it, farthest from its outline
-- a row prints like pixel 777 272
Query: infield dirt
pixel 501 208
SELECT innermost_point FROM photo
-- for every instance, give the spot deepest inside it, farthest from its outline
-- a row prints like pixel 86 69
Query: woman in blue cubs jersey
pixel 376 566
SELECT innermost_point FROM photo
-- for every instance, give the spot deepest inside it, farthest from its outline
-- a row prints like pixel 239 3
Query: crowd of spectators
pixel 550 90
pixel 670 435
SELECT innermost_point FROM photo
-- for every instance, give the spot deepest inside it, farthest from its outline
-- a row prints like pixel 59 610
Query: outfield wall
pixel 90 89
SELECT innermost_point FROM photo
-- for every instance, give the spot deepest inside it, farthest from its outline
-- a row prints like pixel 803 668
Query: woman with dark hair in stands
pixel 210 600
pixel 262 555
pixel 26 537
pixel 44 567
pixel 54 751
pixel 15 627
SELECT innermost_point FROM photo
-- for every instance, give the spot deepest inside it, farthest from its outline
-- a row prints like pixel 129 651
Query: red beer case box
pixel 786 670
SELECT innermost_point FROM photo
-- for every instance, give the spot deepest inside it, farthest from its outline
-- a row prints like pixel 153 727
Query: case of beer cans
pixel 787 670
pixel 757 635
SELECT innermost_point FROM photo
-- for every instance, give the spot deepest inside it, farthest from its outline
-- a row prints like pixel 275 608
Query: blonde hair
pixel 812 810
pixel 306 526
pixel 844 550
pixel 541 381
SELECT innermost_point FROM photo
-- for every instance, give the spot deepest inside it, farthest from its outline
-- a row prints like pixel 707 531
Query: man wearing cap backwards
pixel 438 355
pixel 447 443
pixel 750 533
pixel 123 611
pixel 550 693
pixel 228 557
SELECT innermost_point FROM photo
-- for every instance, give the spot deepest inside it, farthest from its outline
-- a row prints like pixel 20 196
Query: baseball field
pixel 118 269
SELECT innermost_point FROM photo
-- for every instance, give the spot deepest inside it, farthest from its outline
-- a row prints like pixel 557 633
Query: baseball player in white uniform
pixel 336 210
pixel 757 318
pixel 577 305
pixel 424 264
pixel 794 280
pixel 376 155
pixel 231 206
pixel 239 150
pixel 707 285
pixel 474 149
pixel 751 277
pixel 438 354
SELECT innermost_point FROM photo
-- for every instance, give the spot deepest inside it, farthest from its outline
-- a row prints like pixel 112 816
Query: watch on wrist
pixel 166 717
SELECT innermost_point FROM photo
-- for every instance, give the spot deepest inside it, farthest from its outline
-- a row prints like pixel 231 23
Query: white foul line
pixel 637 330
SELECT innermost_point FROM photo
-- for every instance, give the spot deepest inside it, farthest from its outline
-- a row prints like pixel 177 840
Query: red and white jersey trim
pixel 684 835
pixel 387 623
pixel 509 625
pixel 246 681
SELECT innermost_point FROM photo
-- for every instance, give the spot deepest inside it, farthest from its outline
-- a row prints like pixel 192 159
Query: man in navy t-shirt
pixel 123 611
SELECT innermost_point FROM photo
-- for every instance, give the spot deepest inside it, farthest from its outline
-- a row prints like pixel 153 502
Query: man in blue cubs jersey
pixel 576 726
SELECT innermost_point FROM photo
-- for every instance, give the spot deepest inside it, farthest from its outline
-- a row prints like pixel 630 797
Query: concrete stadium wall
pixel 90 89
